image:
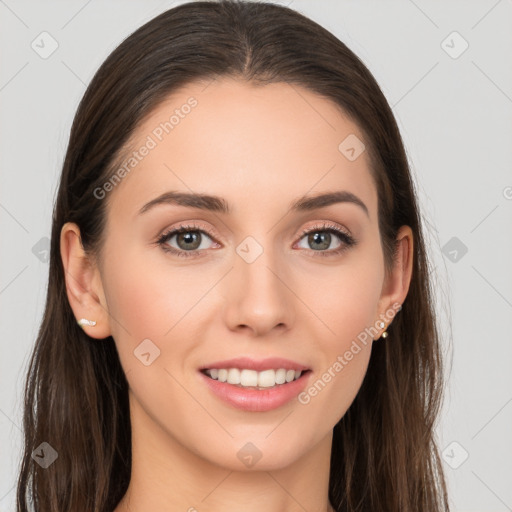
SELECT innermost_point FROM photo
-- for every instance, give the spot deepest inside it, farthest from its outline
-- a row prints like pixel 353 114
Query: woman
pixel 239 309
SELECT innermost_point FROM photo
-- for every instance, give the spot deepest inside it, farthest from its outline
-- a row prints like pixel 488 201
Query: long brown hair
pixel 384 453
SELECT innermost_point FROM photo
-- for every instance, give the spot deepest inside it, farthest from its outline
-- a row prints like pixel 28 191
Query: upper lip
pixel 271 363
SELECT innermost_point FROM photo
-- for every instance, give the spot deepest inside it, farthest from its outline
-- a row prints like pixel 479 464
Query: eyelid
pixel 192 225
pixel 196 225
pixel 325 225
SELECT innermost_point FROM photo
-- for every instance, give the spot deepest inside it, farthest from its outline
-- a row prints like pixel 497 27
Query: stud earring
pixel 381 325
pixel 84 321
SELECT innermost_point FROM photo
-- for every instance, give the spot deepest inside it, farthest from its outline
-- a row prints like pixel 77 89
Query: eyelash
pixel 347 240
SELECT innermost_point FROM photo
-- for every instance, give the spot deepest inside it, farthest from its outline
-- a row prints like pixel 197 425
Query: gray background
pixel 454 109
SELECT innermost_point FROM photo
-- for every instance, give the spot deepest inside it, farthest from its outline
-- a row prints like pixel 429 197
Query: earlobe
pixel 83 285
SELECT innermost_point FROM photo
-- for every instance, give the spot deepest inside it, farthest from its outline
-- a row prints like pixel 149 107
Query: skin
pixel 260 148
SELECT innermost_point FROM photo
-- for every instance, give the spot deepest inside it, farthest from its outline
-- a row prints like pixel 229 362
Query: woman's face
pixel 261 273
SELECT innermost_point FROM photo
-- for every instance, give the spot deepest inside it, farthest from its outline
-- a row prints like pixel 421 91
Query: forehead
pixel 255 145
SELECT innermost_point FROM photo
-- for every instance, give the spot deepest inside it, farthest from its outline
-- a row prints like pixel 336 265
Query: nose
pixel 258 298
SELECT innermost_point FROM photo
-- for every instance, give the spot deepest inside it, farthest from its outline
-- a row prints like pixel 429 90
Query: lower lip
pixel 256 400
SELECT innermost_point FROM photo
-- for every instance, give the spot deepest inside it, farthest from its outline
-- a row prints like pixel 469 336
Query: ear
pixel 83 283
pixel 396 285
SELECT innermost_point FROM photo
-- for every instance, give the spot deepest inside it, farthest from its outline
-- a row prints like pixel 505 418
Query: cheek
pixel 150 298
pixel 135 301
pixel 346 302
pixel 348 308
pixel 145 294
pixel 346 299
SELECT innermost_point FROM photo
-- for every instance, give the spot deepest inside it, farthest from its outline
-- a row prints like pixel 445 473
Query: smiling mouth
pixel 252 379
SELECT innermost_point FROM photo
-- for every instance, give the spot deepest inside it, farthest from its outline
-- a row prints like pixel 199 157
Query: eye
pixel 320 238
pixel 189 239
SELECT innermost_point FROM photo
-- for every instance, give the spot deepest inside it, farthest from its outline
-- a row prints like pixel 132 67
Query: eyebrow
pixel 220 205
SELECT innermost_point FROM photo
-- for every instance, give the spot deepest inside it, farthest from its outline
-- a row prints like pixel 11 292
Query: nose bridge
pixel 257 295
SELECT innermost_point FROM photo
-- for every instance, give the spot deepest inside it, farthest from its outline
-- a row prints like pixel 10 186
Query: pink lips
pixel 256 400
pixel 271 363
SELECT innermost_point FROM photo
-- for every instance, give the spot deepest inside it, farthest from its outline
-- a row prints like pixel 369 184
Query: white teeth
pixel 252 378
pixel 233 376
pixel 249 378
pixel 267 379
pixel 281 376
